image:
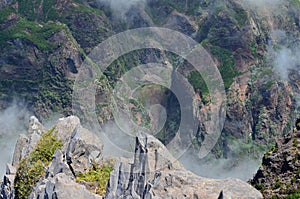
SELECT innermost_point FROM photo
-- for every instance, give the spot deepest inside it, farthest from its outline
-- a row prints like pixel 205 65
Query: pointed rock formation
pixel 154 173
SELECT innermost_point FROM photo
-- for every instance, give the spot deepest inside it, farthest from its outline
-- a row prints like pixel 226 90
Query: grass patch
pixel 32 168
pixel 85 9
pixel 97 177
pixel 31 31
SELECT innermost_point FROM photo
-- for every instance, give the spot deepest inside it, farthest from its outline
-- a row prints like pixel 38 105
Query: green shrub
pixel 259 187
pixel 96 177
pixel 5 13
pixel 277 185
pixel 293 196
pixel 295 142
pixel 38 10
pixel 293 180
pixel 227 67
pixel 32 168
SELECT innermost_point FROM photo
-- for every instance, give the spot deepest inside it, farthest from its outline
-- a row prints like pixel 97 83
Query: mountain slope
pixel 43 44
pixel 278 177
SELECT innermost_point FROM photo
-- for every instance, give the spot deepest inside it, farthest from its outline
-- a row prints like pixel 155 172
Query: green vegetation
pixel 265 71
pixel 97 177
pixel 297 124
pixel 277 184
pixel 31 31
pixel 295 3
pixel 198 82
pixel 293 195
pixel 274 149
pixel 5 13
pixel 32 168
pixel 253 48
pixel 86 9
pixel 268 85
pixel 246 147
pixel 56 92
pixel 38 10
pixel 157 10
pixel 227 67
pixel 260 187
pixel 295 142
pixel 240 15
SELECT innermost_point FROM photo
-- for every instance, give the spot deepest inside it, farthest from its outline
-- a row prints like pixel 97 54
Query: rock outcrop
pixel 278 177
pixel 40 60
pixel 81 149
pixel 152 173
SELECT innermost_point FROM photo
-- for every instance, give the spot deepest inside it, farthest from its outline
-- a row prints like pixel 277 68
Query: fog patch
pixel 117 142
pixel 121 7
pixel 283 54
pixel 13 122
pixel 243 167
pixel 260 5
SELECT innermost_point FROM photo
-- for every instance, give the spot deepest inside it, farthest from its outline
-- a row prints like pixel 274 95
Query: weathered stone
pixel 83 150
pixel 7 187
pixel 20 148
pixel 58 165
pixel 62 187
pixel 10 169
pixel 154 173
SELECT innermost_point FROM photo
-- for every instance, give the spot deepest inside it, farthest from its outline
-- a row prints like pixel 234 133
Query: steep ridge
pixel 152 173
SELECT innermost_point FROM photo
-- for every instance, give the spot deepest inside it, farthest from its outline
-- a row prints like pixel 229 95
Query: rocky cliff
pixel 278 177
pixel 43 44
pixel 151 173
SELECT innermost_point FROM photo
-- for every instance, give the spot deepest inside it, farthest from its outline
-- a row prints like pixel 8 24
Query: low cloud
pixel 283 54
pixel 13 121
pixel 262 4
pixel 121 7
pixel 233 166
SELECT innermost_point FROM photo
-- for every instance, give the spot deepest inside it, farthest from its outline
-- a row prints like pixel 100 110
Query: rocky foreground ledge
pixel 152 173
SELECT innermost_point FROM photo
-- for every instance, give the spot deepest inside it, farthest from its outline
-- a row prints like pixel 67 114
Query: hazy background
pixel 121 7
pixel 13 121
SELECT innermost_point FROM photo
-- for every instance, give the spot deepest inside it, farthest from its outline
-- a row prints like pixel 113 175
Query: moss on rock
pixel 96 178
pixel 32 168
